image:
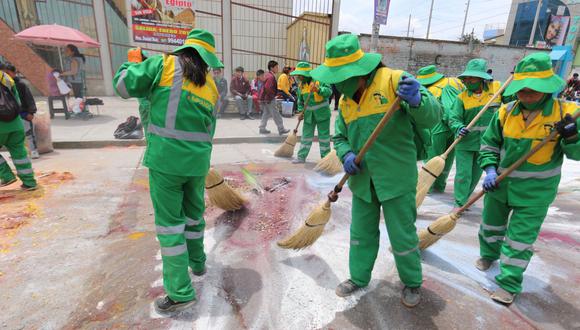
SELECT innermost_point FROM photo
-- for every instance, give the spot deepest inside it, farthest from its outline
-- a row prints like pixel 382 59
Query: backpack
pixel 9 107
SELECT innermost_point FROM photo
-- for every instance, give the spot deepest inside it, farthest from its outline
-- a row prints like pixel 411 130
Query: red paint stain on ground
pixel 547 235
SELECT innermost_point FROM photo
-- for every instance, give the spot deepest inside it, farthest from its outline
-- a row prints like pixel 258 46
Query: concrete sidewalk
pixel 98 131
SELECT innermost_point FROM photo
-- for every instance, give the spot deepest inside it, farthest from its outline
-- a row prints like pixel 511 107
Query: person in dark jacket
pixel 222 86
pixel 268 101
pixel 28 106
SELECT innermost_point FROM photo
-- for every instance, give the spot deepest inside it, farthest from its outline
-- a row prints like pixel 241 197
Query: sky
pixel 356 16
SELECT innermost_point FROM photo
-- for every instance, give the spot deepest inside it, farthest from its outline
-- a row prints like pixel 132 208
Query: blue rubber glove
pixel 463 131
pixel 349 165
pixel 490 177
pixel 409 91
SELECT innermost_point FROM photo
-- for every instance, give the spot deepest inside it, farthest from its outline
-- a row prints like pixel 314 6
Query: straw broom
pixel 286 150
pixel 330 164
pixel 445 224
pixel 433 168
pixel 313 227
pixel 221 194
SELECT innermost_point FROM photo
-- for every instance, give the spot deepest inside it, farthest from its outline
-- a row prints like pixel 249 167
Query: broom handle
pixel 333 196
pixel 303 110
pixel 514 166
pixel 479 114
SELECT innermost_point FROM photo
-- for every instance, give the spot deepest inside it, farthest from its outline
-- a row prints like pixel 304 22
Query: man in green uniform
pixel 12 136
pixel 467 104
pixel 179 144
pixel 445 89
pixel 317 112
pixel 528 191
pixel 387 176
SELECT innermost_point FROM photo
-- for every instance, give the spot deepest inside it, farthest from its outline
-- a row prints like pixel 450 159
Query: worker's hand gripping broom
pixel 445 224
pixel 433 168
pixel 221 194
pixel 286 150
pixel 313 227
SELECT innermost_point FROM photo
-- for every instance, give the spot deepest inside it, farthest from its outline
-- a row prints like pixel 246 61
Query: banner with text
pixel 381 11
pixel 162 21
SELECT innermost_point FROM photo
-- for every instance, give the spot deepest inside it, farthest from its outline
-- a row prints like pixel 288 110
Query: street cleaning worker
pixel 445 89
pixel 527 192
pixel 12 136
pixel 179 144
pixel 137 55
pixel 316 115
pixel 467 104
pixel 387 176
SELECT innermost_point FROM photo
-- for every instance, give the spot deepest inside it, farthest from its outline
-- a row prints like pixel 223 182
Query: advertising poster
pixel 162 21
pixel 556 32
pixel 381 11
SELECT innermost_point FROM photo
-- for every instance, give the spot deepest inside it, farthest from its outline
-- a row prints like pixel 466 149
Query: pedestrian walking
pixel 268 101
pixel 179 144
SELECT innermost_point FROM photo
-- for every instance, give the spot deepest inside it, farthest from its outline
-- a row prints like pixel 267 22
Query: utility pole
pixel 375 37
pixel 465 19
pixel 532 34
pixel 409 26
pixel 430 15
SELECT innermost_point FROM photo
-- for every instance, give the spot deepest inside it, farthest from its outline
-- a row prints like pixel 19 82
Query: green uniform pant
pixel 400 215
pixel 468 173
pixel 308 137
pixel 512 241
pixel 179 205
pixel 439 143
pixel 14 142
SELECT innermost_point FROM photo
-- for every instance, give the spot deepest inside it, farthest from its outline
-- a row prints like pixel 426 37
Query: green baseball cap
pixel 345 59
pixel 428 75
pixel 535 72
pixel 204 43
pixel 302 69
pixel 476 68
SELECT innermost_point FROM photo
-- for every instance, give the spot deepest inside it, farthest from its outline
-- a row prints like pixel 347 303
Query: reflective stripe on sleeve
pixel 514 262
pixel 174 95
pixel 191 222
pixel 21 161
pixel 404 253
pixel 121 88
pixel 173 250
pixel 193 235
pixel 518 245
pixel 478 128
pixel 485 147
pixel 171 230
pixel 318 106
pixel 492 228
pixel 534 174
pixel 179 135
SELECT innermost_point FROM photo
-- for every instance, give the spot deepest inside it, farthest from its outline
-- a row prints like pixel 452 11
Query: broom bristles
pixel 221 194
pixel 286 150
pixel 330 164
pixel 310 231
pixel 437 230
pixel 427 176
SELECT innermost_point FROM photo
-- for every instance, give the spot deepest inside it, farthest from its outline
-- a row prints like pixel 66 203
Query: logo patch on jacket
pixel 380 99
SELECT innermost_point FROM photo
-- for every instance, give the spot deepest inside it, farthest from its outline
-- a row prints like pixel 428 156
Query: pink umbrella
pixel 58 36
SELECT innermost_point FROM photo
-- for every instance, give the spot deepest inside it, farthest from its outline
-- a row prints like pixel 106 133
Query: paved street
pixel 81 253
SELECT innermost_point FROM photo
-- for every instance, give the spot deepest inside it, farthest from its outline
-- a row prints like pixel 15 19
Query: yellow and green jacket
pixel 390 165
pixel 318 107
pixel 466 107
pixel 534 183
pixel 16 124
pixel 446 91
pixel 181 124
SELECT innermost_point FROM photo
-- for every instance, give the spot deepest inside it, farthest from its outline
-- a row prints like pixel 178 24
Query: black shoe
pixel 249 116
pixel 346 288
pixel 264 131
pixel 199 272
pixel 7 183
pixel 242 117
pixel 166 305
pixel 283 131
pixel 28 188
pixel 411 297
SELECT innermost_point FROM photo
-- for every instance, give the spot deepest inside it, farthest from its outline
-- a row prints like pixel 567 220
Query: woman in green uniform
pixel 387 176
pixel 514 210
pixel 317 113
pixel 179 143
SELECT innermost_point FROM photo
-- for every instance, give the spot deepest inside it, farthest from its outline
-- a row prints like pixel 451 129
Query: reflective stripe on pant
pixel 439 143
pixel 308 136
pixel 179 205
pixel 467 175
pixel 244 109
pixel 14 142
pixel 269 111
pixel 515 249
pixel 400 215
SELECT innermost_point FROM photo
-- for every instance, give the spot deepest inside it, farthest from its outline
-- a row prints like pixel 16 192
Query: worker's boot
pixel 7 182
pixel 166 305
pixel 483 264
pixel 502 296
pixel 346 288
pixel 28 188
pixel 411 297
pixel 199 272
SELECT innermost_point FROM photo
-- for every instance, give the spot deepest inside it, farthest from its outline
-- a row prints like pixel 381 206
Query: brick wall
pixel 450 56
pixel 32 66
